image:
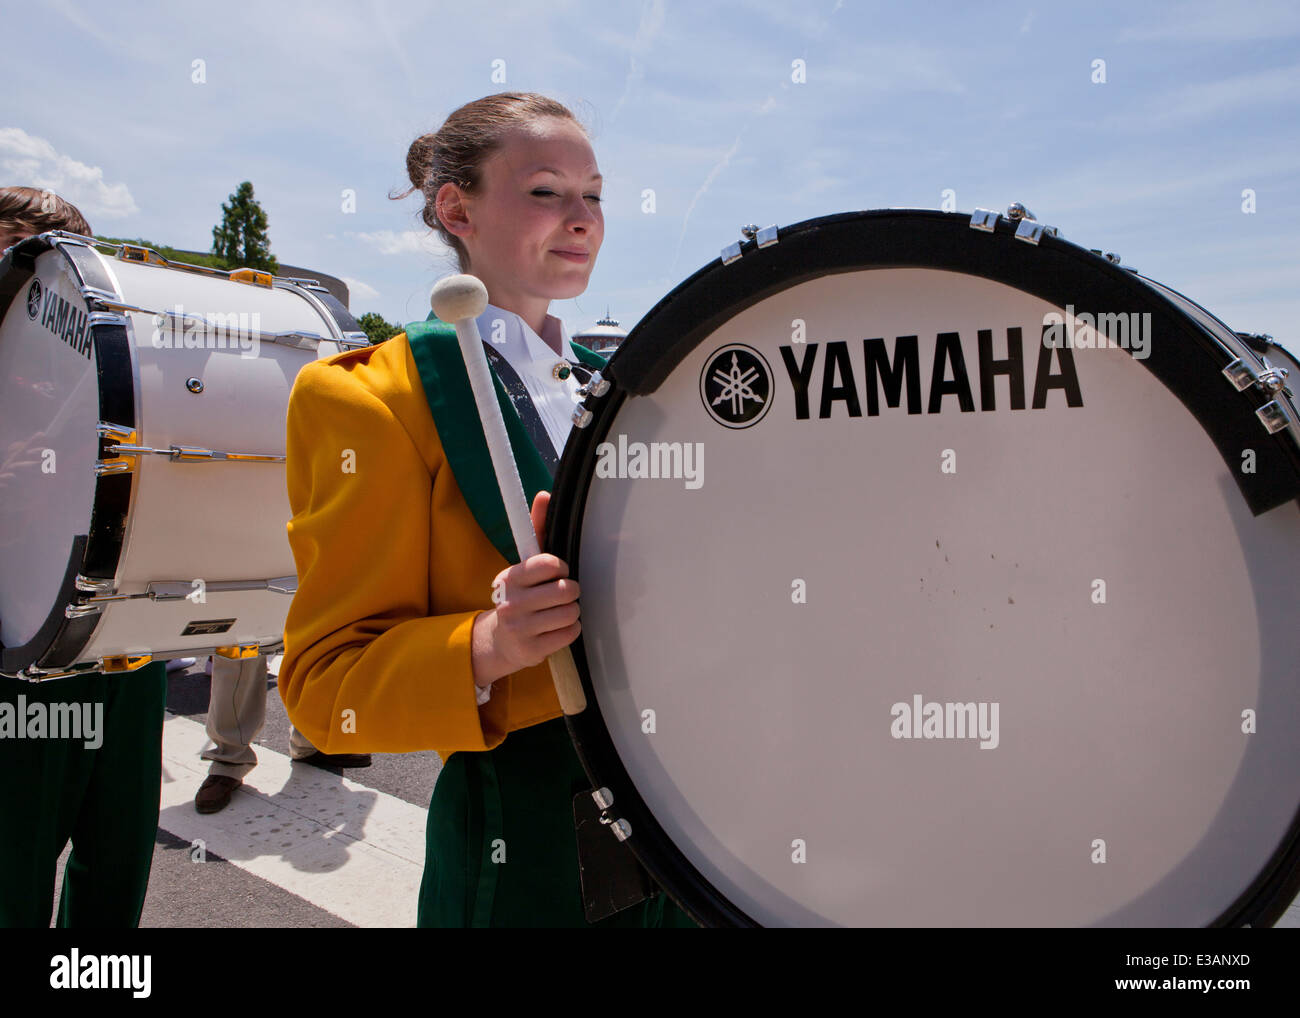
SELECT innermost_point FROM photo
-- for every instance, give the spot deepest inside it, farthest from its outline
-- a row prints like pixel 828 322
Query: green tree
pixel 241 241
pixel 376 328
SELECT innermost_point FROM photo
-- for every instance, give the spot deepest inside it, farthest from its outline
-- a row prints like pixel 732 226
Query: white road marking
pixel 302 828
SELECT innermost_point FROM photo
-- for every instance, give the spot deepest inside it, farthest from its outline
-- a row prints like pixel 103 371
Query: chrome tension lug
pixel 765 237
pixel 1274 417
pixel 1240 375
pixel 1031 231
pixel 594 386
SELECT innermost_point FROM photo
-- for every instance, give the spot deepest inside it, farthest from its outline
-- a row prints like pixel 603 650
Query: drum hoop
pixel 346 332
pixel 906 239
pixel 59 640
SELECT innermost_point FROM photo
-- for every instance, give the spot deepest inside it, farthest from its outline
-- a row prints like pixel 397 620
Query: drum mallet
pixel 460 300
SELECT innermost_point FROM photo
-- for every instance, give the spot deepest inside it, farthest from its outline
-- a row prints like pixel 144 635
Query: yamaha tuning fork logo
pixel 736 386
pixel 34 294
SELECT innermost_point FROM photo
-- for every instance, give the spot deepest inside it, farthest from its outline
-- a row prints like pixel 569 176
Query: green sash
pixel 451 401
pixel 523 789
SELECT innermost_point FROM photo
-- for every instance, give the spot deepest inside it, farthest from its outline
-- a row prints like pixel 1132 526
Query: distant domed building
pixel 603 338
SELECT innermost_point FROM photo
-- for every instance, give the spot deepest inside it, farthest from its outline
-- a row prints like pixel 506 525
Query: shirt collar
pixel 534 347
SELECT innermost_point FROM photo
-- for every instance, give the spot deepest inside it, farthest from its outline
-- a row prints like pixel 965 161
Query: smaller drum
pixel 142 438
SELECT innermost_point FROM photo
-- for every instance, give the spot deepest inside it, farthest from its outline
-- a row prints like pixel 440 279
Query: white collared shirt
pixel 535 362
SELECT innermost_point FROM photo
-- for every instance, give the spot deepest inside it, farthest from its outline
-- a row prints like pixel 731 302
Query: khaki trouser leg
pixel 299 747
pixel 237 714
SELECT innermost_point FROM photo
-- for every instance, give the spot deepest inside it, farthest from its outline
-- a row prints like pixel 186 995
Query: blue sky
pixel 695 100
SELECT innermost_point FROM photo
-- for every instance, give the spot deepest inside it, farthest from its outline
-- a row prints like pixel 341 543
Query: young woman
pixel 395 641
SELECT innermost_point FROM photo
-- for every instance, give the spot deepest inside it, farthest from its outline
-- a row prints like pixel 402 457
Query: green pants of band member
pixel 104 799
pixel 515 803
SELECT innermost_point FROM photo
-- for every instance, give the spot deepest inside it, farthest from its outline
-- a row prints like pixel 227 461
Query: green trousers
pixel 104 799
pixel 500 847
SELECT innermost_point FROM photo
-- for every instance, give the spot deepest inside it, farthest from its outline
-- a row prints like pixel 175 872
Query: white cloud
pixel 359 290
pixel 30 161
pixel 402 242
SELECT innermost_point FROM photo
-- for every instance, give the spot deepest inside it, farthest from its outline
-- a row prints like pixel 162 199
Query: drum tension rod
pixel 104 591
pixel 594 386
pixel 765 237
pixel 604 798
pixel 1028 229
pixel 1272 380
pixel 179 454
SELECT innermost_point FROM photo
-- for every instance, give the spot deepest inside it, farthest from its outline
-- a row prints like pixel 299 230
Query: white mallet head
pixel 459 297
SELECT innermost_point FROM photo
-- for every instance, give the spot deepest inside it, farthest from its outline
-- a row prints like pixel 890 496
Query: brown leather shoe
pixel 214 794
pixel 336 761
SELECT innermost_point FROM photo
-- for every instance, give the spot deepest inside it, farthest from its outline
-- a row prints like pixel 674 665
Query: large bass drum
pixel 939 572
pixel 142 429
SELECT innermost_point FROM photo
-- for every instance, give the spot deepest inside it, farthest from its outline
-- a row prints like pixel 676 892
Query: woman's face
pixel 535 226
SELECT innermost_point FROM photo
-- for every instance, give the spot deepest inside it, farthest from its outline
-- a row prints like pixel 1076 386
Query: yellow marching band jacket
pixel 398 530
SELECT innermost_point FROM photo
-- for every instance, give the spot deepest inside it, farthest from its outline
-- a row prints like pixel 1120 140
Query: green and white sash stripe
pixel 451 401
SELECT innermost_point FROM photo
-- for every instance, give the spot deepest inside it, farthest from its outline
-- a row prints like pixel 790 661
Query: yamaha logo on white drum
pixel 736 386
pixel 34 295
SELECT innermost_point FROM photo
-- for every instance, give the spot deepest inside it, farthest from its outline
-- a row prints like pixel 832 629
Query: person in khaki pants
pixel 236 715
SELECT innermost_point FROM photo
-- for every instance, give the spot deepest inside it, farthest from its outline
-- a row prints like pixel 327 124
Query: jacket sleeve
pixel 366 668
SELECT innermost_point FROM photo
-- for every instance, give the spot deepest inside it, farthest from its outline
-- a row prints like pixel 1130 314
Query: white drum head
pixel 50 397
pixel 943 667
